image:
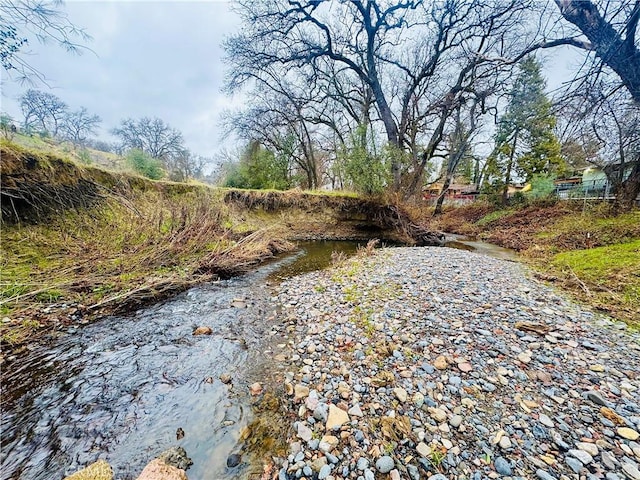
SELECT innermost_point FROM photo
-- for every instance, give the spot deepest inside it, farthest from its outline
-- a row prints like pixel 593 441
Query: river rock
pixel 300 392
pixel 581 455
pixel 465 367
pixel 438 414
pixel 385 464
pixel 631 471
pixel 304 433
pixel 324 472
pixel 233 460
pixel 337 417
pixel 423 450
pixel 99 470
pixel 176 457
pixel 455 421
pixel 503 467
pixel 628 433
pixel 505 443
pixel 355 411
pixel 440 363
pixel 158 470
pixel 255 388
pixel 543 475
pixel 225 378
pixel 435 418
pixel 401 394
pixel 203 331
pixel 590 448
pixel 596 398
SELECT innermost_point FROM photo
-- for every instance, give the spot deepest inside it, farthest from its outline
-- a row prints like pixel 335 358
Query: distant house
pixel 457 193
pixel 592 183
pixel 517 187
pixel 455 190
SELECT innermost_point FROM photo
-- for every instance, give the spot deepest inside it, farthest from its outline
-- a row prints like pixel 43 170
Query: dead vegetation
pixel 583 248
pixel 80 242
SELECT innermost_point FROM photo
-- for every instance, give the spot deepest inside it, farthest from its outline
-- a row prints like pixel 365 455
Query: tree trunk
pixel 626 191
pixel 443 193
pixel 621 55
pixel 434 141
pixel 505 191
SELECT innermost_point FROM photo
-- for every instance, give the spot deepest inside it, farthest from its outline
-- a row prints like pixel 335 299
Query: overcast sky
pixel 158 58
pixel 151 58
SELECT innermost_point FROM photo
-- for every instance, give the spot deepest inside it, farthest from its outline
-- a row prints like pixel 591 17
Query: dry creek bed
pixel 434 363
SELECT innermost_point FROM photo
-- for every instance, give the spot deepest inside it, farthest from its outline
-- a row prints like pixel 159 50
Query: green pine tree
pixel 525 144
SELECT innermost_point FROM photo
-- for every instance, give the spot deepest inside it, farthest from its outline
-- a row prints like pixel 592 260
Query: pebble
pixel 401 394
pixel 440 363
pixel 596 398
pixel 300 392
pixel 575 464
pixel 505 443
pixel 631 471
pixel 543 475
pixel 255 388
pixel 590 448
pixel 324 472
pixel 423 449
pixel 503 467
pixel 456 420
pixel 581 455
pixel 337 417
pixel 628 433
pixel 385 464
pixel 545 420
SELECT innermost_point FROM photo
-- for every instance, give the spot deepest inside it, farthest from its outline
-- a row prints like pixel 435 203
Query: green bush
pixel 542 186
pixel 365 170
pixel 85 156
pixel 145 165
pixel 258 168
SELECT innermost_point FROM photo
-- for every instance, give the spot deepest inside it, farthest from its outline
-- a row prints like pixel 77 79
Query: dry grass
pixel 127 249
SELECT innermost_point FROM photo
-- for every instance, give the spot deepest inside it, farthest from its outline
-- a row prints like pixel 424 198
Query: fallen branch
pixel 580 282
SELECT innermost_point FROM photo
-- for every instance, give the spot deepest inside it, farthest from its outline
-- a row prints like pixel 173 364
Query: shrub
pixel 542 186
pixel 144 164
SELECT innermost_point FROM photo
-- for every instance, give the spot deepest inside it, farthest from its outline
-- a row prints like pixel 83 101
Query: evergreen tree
pixel 525 143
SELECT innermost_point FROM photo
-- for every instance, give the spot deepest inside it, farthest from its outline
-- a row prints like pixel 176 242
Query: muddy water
pixel 465 243
pixel 119 389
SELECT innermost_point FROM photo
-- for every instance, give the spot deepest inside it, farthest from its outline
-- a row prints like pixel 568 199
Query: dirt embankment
pixel 582 248
pixel 80 242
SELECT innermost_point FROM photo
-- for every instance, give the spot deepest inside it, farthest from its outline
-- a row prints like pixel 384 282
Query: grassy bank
pixel 581 248
pixel 80 242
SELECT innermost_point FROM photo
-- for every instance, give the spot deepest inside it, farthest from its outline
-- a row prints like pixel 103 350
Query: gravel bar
pixel 435 363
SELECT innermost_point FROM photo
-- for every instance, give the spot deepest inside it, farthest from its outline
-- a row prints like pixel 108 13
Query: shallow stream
pixel 120 388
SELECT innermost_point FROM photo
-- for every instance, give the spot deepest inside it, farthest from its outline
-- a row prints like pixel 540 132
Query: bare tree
pixel 42 110
pixel 7 126
pixel 608 30
pixel 151 135
pixel 78 125
pixel 185 165
pixel 614 39
pixel 22 22
pixel 606 128
pixel 409 55
pixel 460 142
